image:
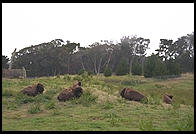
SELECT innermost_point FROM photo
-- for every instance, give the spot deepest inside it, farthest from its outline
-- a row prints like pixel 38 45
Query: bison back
pixel 134 95
pixel 65 95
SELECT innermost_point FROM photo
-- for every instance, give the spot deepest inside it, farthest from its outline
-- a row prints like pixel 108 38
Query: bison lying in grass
pixel 75 91
pixel 33 90
pixel 167 98
pixel 131 94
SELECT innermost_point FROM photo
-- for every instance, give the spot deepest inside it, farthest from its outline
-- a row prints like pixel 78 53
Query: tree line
pixel 126 57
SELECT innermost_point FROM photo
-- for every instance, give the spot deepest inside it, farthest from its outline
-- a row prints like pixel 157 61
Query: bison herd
pixel 76 91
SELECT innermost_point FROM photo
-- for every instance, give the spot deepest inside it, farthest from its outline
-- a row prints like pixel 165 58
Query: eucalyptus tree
pixel 5 61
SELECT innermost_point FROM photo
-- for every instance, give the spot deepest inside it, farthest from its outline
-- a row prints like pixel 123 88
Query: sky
pixel 26 24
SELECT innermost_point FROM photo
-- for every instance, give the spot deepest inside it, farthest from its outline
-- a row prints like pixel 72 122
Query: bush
pixel 122 68
pixel 154 67
pixel 81 71
pixel 173 68
pixel 107 72
pixel 91 73
pixel 137 69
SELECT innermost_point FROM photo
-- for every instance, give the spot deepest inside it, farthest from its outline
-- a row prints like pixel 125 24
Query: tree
pixel 122 68
pixel 173 67
pixel 181 51
pixel 130 47
pixel 98 54
pixel 154 67
pixel 137 68
pixel 5 61
pixel 70 48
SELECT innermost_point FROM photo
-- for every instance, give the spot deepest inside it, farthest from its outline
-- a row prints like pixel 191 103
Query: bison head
pixel 77 91
pixel 122 92
pixel 40 88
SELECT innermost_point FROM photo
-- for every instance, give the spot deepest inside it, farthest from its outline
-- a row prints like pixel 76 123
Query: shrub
pixel 122 68
pixel 107 72
pixel 154 67
pixel 91 73
pixel 137 69
pixel 81 72
pixel 173 68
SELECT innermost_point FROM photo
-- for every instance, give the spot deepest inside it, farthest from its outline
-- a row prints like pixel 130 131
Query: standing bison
pixel 131 94
pixel 75 91
pixel 167 98
pixel 33 90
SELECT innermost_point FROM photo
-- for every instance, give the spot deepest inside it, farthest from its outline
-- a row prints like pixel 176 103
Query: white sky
pixel 26 24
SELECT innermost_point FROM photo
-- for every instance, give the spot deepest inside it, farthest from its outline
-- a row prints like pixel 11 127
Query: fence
pixel 14 73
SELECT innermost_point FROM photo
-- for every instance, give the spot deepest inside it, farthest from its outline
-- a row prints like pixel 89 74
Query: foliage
pixel 35 108
pixel 5 61
pixel 100 107
pixel 59 57
pixel 107 72
pixel 154 67
pixel 50 105
pixel 86 99
pixel 137 69
pixel 122 68
pixel 173 68
pixel 81 72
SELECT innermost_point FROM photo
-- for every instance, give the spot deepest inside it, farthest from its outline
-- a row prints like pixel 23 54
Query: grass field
pixel 100 107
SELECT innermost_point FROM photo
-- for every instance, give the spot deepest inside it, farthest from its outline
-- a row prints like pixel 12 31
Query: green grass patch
pixel 100 108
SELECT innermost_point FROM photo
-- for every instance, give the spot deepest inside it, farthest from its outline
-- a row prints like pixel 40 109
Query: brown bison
pixel 167 98
pixel 131 94
pixel 33 90
pixel 75 91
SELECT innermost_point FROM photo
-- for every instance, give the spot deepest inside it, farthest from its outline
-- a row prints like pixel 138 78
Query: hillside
pixel 100 107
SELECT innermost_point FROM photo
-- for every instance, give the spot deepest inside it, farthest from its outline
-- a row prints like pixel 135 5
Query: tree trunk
pixel 130 64
pixel 95 67
pixel 82 64
pixel 143 59
pixel 68 65
pixel 99 67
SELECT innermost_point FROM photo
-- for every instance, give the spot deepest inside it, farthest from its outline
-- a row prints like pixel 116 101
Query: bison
pixel 167 98
pixel 131 94
pixel 67 94
pixel 33 90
